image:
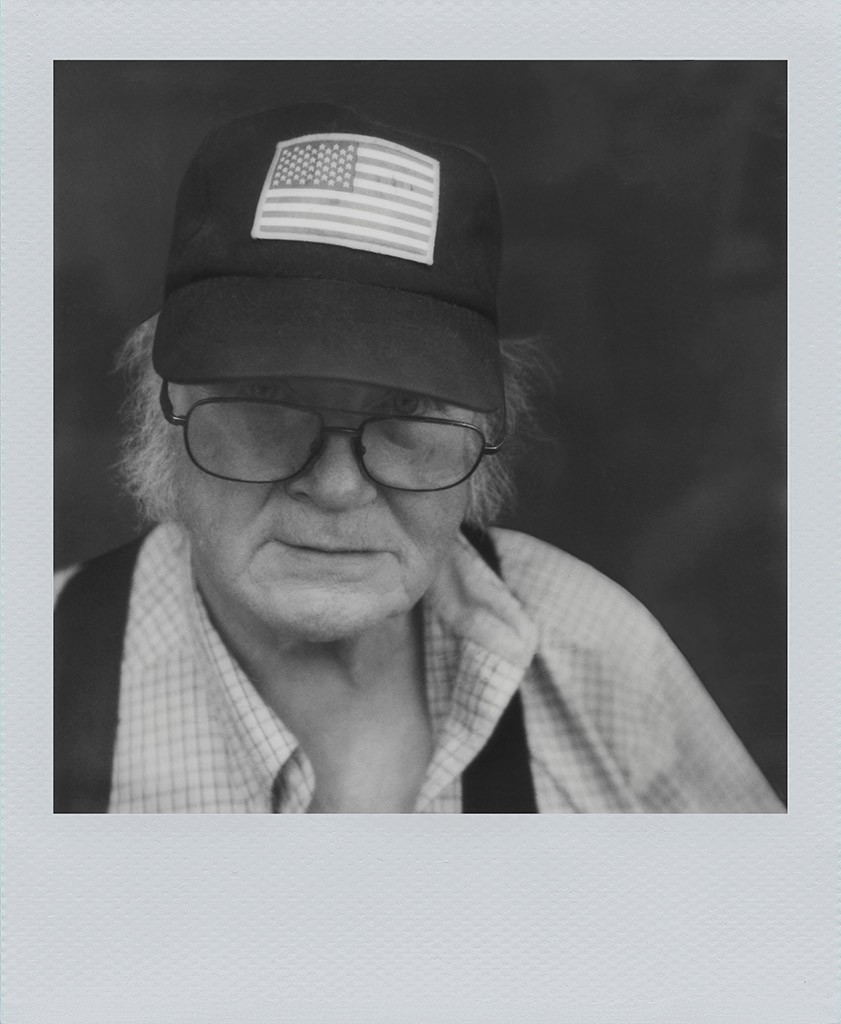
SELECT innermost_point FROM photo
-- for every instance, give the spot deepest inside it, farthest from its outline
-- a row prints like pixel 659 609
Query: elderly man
pixel 322 620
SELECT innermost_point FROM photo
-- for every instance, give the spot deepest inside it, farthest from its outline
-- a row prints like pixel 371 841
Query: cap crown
pixel 221 191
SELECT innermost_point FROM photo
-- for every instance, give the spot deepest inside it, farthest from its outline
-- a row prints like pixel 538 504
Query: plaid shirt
pixel 615 718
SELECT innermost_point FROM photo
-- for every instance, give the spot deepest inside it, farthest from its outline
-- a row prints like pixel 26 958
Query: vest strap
pixel 89 625
pixel 499 779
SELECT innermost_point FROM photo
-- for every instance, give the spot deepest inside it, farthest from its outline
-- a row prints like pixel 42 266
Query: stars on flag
pixel 316 165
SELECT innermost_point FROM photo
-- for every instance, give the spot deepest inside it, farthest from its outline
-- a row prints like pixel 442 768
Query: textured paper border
pixel 573 918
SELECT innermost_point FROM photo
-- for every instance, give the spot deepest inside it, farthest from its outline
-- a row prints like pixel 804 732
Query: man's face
pixel 326 554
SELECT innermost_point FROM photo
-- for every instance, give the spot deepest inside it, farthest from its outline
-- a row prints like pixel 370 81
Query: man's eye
pixel 264 391
pixel 408 405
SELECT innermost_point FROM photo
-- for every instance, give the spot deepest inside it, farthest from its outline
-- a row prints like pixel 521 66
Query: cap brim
pixel 237 327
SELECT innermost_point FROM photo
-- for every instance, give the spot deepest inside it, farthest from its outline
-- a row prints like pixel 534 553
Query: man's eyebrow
pixel 376 400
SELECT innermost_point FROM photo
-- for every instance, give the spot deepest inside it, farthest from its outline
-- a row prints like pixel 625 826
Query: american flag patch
pixel 351 190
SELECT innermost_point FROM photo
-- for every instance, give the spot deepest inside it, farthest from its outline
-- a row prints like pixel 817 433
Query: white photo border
pixel 591 918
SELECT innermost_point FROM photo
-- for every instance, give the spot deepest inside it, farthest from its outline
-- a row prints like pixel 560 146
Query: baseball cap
pixel 310 241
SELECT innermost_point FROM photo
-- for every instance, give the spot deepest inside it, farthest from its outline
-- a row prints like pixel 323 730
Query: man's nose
pixel 335 480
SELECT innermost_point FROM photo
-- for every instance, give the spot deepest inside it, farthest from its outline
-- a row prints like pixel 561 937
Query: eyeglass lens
pixel 260 443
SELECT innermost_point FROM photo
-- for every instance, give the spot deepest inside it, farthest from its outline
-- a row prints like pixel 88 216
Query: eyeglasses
pixel 260 441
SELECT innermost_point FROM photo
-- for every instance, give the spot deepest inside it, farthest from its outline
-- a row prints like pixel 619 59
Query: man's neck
pixel 357 707
pixel 300 678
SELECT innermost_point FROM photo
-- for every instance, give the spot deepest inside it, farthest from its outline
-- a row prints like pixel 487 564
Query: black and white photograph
pixel 420 436
pixel 419 421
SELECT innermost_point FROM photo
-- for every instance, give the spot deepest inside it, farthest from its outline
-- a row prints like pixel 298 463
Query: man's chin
pixel 327 618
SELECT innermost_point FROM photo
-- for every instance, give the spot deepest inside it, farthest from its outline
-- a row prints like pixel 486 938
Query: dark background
pixel 644 206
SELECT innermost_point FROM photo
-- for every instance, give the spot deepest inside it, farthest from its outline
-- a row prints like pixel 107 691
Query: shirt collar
pixel 478 644
pixel 474 604
pixel 257 737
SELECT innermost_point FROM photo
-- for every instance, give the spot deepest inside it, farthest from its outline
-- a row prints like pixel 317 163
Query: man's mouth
pixel 330 549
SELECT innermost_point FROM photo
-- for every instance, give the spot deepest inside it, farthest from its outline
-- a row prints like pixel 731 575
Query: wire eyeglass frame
pixel 354 432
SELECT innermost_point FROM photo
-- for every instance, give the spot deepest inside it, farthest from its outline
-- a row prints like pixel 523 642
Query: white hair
pixel 150 448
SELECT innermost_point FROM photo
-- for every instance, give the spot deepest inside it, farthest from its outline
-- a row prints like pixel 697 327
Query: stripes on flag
pixel 351 190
